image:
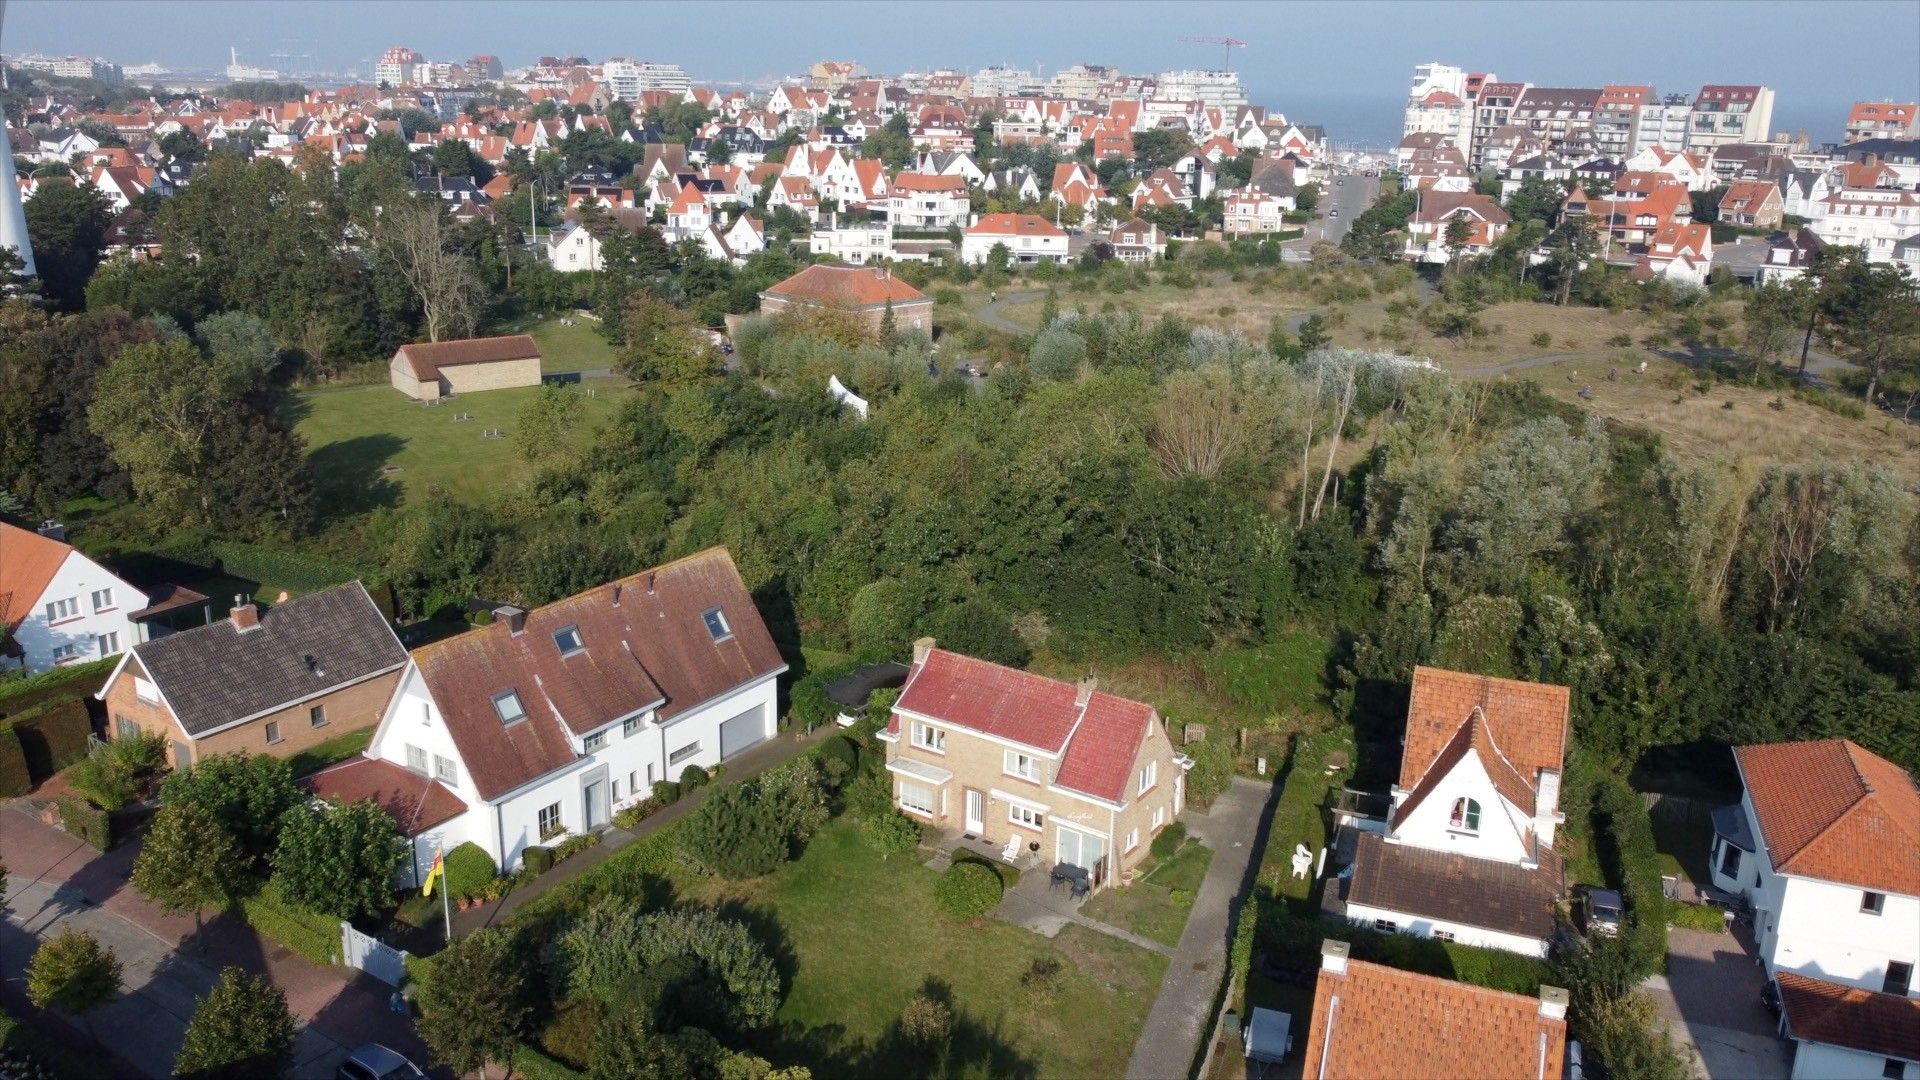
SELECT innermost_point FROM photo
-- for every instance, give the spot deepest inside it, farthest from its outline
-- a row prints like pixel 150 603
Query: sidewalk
pixel 54 879
pixel 1169 1042
pixel 776 751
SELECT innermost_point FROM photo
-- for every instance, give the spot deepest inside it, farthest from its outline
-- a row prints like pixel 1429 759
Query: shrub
pixel 892 832
pixel 72 972
pixel 1697 917
pixel 111 775
pixel 75 682
pixel 1542 339
pixel 1169 841
pixel 608 947
pixel 747 829
pixel 468 868
pixel 808 702
pixel 968 890
pixel 926 1023
pixel 692 777
pixel 1212 771
pixel 53 735
pixel 87 822
pixel 634 813
pixel 574 845
pixel 537 860
pixel 15 780
pixel 1042 976
pixel 309 933
pixel 666 792
pixel 1057 354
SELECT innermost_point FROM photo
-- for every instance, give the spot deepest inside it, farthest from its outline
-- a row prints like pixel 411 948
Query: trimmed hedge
pixel 537 860
pixel 1167 844
pixel 1623 836
pixel 666 792
pixel 968 890
pixel 312 935
pixel 53 735
pixel 87 822
pixel 1294 941
pixel 693 776
pixel 14 778
pixel 531 1064
pixel 60 684
pixel 468 869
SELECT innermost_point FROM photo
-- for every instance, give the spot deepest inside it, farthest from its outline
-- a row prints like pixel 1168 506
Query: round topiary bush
pixel 968 890
pixel 468 869
pixel 666 792
pixel 691 777
pixel 537 860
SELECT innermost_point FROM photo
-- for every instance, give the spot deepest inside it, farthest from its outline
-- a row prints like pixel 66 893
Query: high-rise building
pixel 1616 118
pixel 398 66
pixel 1560 117
pixel 1081 81
pixel 627 79
pixel 1000 81
pixel 1663 123
pixel 1215 89
pixel 1730 114
pixel 1493 111
pixel 485 68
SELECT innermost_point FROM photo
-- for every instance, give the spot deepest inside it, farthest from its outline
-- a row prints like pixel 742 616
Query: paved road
pixel 992 315
pixel 54 880
pixel 1710 998
pixel 1350 198
pixel 1170 1040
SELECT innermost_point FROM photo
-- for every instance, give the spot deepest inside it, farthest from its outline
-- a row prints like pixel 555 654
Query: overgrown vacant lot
pixel 354 432
pixel 864 935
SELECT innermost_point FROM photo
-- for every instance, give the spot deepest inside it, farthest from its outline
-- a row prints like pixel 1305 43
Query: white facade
pixel 80 616
pixel 636 752
pixel 574 250
pixel 1214 89
pixel 1663 124
pixel 1459 933
pixel 1026 250
pixel 1871 219
pixel 627 79
pixel 1820 1061
pixel 857 244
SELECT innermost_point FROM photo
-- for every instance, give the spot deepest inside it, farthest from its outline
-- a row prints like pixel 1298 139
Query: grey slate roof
pixel 214 675
pixel 1456 888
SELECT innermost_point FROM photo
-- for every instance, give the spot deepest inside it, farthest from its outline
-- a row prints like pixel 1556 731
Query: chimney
pixel 649 583
pixel 1546 799
pixel 1553 1003
pixel 1333 957
pixel 616 594
pixel 921 648
pixel 514 617
pixel 245 615
pixel 1084 693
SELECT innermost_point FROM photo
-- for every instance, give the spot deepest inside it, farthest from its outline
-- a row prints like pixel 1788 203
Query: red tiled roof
pixel 28 562
pixel 1527 721
pixel 1014 225
pixel 426 358
pixel 1393 1023
pixel 1833 811
pixel 1098 744
pixel 645 642
pixel 416 803
pixel 1886 1025
pixel 853 286
pixel 911 181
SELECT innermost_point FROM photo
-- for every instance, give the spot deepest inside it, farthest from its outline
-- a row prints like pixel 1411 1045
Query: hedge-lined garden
pixel 44 723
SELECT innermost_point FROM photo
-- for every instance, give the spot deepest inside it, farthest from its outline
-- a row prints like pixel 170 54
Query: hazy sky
pixel 1819 56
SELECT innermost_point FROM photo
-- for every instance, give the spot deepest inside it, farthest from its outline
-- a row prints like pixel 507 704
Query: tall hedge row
pixel 14 778
pixel 52 736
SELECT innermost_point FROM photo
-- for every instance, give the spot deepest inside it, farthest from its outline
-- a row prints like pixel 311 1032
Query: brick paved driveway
pixel 1711 998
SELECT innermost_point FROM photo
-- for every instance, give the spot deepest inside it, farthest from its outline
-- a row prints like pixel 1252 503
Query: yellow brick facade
pixel 347 709
pixel 464 378
pixel 979 764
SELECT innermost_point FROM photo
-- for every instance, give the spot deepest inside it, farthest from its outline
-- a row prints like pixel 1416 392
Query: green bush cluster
pixel 574 845
pixel 468 868
pixel 73 682
pixel 1168 842
pixel 536 859
pixel 1629 856
pixel 52 735
pixel 15 779
pixel 309 933
pixel 748 829
pixel 693 777
pixel 112 775
pixel 86 822
pixel 666 792
pixel 968 889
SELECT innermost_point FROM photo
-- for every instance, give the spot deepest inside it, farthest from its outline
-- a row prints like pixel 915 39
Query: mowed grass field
pixel 573 348
pixel 354 433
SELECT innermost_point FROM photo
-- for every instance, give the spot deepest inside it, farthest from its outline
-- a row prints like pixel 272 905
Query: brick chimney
pixel 922 648
pixel 514 617
pixel 1553 1003
pixel 1084 693
pixel 245 615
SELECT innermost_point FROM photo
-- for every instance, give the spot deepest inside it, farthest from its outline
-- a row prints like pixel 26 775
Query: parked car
pixel 1333 213
pixel 1601 910
pixel 372 1061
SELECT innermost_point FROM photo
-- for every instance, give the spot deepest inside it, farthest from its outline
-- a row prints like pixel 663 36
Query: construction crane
pixel 1227 46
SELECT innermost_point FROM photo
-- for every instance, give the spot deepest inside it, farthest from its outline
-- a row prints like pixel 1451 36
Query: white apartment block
pixel 627 79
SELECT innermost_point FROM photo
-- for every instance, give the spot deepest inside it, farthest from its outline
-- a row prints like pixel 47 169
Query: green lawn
pixel 864 936
pixel 1282 679
pixel 354 432
pixel 1684 847
pixel 573 348
pixel 1157 904
pixel 333 751
pixel 1321 764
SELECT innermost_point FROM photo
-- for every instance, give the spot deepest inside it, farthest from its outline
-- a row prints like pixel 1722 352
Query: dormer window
pixel 508 706
pixel 717 624
pixel 1465 816
pixel 568 641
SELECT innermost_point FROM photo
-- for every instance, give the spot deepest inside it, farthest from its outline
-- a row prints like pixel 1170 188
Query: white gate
pixel 371 955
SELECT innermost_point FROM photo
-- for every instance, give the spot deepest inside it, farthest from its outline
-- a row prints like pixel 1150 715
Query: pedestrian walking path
pixel 1170 1040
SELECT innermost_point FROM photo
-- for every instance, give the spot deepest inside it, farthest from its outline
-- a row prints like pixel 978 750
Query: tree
pixel 338 860
pixel 475 1005
pixel 1459 234
pixel 1775 312
pixel 413 238
pixel 1313 332
pixel 240 1031
pixel 189 862
pixel 247 794
pixel 663 345
pixel 545 423
pixel 72 972
pixel 1872 311
pixel 67 227
pixel 158 405
pixel 1160 147
pixel 1536 199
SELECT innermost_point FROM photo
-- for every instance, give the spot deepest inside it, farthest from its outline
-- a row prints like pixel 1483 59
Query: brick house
pixel 1372 1020
pixel 1754 204
pixel 1032 765
pixel 433 369
pixel 273 682
pixel 863 291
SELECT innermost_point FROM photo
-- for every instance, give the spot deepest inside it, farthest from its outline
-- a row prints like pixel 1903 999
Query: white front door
pixel 976 812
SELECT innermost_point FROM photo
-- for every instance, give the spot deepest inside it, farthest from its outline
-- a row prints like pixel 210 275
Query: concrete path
pixel 1169 1043
pixel 990 314
pixel 1034 905
pixel 778 750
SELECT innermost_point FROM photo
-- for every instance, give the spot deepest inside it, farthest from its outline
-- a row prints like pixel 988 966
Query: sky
pixel 1346 65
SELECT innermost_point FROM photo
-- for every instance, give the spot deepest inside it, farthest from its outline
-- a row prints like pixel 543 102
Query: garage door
pixel 742 731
